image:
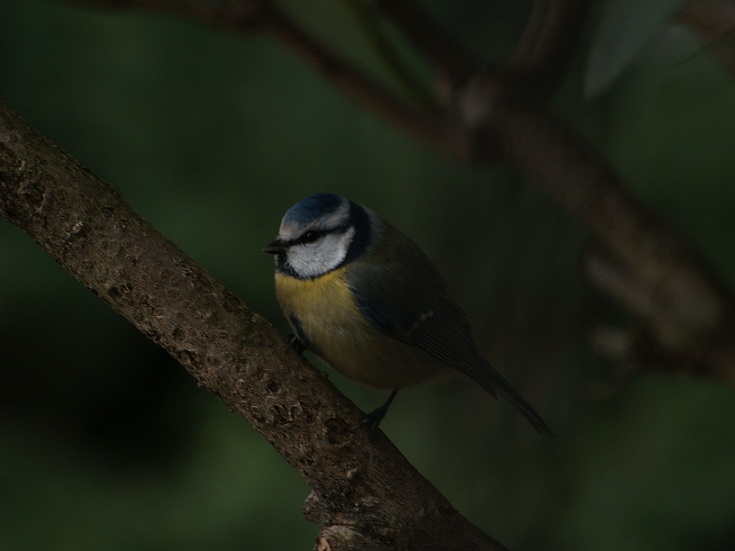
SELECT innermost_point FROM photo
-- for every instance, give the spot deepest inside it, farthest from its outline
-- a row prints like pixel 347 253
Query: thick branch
pixel 360 482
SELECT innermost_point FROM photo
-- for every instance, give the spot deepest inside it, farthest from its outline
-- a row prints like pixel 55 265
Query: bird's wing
pixel 413 304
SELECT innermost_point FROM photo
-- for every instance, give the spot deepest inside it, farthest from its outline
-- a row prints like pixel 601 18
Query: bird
pixel 363 297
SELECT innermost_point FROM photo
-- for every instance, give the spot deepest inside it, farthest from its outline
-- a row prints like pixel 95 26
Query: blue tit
pixel 363 297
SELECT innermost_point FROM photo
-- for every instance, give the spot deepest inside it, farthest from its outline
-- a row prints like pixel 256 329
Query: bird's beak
pixel 275 247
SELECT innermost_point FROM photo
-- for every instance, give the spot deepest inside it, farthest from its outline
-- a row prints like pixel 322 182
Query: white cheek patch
pixel 322 256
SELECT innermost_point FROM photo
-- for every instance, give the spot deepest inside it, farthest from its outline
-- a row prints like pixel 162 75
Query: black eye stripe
pixel 314 235
pixel 311 235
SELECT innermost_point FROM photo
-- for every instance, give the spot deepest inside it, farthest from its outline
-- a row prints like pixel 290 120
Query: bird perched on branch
pixel 363 297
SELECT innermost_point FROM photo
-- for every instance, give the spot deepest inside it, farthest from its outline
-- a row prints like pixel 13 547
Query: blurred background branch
pixel 547 46
pixel 485 114
pixel 715 21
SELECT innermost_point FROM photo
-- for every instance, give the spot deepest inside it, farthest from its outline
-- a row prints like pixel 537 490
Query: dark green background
pixel 106 443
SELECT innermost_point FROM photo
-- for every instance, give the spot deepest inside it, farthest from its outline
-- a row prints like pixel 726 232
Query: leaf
pixel 625 28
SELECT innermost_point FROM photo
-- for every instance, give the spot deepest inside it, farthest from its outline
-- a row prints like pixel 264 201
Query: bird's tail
pixel 495 383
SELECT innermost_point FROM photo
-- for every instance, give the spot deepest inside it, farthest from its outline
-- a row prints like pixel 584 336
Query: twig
pixel 546 48
pixel 429 39
pixel 264 16
pixel 715 20
pixel 236 15
pixel 422 124
pixel 369 23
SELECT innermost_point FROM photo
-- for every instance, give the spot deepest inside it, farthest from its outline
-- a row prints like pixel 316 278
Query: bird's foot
pixel 372 419
pixel 296 343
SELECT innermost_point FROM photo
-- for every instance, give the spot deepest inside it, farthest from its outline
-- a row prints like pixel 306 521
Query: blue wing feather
pixel 417 309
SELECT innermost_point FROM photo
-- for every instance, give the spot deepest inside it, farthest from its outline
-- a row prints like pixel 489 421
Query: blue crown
pixel 313 207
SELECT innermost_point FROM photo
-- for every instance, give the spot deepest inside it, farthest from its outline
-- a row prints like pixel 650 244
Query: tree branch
pixel 364 490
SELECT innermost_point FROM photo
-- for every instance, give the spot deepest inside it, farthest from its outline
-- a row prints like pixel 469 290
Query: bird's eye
pixel 310 236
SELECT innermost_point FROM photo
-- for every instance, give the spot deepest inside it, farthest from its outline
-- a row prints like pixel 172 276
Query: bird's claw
pixel 296 343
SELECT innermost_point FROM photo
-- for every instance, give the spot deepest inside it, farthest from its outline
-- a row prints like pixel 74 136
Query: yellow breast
pixel 315 301
pixel 323 310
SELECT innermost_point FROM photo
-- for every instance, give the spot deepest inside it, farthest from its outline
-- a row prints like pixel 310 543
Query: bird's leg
pixel 295 342
pixel 373 419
